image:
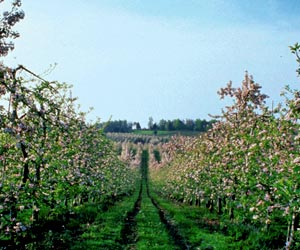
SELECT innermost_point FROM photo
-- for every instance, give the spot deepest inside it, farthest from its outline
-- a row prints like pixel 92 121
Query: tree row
pixel 123 126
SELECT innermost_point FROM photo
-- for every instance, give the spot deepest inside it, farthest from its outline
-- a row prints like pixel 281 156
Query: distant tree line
pixel 120 126
pixel 200 125
pixel 123 126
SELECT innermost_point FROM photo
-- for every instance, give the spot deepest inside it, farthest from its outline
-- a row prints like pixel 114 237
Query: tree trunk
pixel 26 166
pixel 290 232
pixel 219 205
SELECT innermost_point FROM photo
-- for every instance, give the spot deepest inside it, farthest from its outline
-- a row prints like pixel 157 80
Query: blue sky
pixel 132 59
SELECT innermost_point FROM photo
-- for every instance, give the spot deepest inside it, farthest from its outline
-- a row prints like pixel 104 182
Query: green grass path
pixel 152 233
pixel 133 223
pixel 146 221
pixel 106 231
pixel 189 222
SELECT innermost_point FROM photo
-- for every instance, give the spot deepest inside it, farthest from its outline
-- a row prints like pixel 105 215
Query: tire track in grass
pixel 147 225
pixel 179 241
pixel 129 231
pixel 173 230
pixel 152 233
pixel 105 231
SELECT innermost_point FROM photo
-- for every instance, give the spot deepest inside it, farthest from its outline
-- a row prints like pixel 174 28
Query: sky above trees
pixel 165 59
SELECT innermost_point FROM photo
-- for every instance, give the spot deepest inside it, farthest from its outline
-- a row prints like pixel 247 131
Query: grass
pixel 182 217
pixel 186 219
pixel 105 231
pixel 152 233
pixel 157 224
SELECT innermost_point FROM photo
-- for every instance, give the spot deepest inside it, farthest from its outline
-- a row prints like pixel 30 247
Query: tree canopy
pixel 7 22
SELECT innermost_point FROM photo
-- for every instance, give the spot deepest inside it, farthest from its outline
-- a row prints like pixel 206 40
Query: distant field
pixel 147 136
pixel 166 133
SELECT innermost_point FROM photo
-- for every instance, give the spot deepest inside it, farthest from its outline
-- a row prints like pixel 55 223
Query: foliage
pixel 116 126
pixel 51 160
pixel 7 22
pixel 296 50
pixel 200 125
pixel 176 125
pixel 245 168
